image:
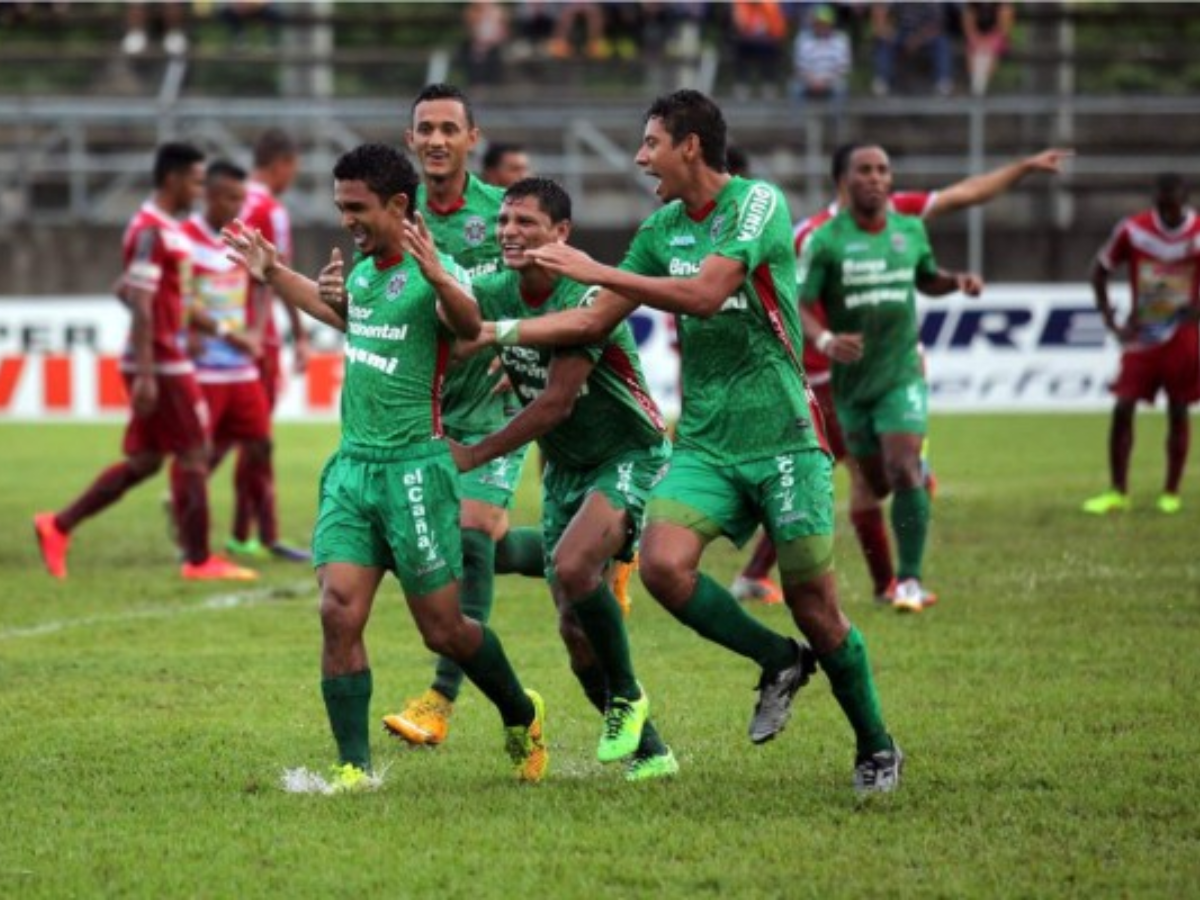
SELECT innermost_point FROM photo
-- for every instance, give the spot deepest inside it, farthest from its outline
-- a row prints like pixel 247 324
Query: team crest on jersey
pixel 395 285
pixel 475 231
pixel 717 225
pixel 899 243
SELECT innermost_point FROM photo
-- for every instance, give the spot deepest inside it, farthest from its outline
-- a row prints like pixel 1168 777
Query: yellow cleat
pixel 1170 504
pixel 1111 501
pixel 350 779
pixel 526 744
pixel 424 722
pixel 622 571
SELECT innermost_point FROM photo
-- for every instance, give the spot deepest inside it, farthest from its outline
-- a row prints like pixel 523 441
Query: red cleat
pixel 53 544
pixel 216 568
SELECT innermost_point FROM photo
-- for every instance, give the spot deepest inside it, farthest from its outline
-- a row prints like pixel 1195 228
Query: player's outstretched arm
pixel 258 256
pixel 569 328
pixel 455 304
pixel 565 380
pixel 981 188
pixel 719 279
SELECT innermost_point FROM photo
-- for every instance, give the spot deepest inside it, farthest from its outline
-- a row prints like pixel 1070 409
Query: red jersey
pixel 1164 270
pixel 907 203
pixel 157 258
pixel 264 212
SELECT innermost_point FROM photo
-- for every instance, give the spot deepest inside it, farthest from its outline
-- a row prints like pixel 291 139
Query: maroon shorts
pixel 270 371
pixel 1172 367
pixel 237 411
pixel 833 432
pixel 179 422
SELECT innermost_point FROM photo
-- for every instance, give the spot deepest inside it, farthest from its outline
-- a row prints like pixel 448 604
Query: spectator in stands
pixel 759 30
pixel 243 14
pixel 137 22
pixel 487 34
pixel 562 44
pixel 910 29
pixel 821 59
pixel 534 24
pixel 505 164
pixel 986 29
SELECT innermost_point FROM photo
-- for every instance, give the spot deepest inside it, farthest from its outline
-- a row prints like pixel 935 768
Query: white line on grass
pixel 216 602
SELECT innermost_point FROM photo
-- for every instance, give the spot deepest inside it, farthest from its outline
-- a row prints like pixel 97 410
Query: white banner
pixel 1017 348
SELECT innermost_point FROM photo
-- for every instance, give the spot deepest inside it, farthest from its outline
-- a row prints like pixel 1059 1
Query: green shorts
pixel 790 494
pixel 902 410
pixel 495 483
pixel 625 481
pixel 393 509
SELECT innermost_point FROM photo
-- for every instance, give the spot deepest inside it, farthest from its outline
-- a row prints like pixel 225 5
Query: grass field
pixel 1044 705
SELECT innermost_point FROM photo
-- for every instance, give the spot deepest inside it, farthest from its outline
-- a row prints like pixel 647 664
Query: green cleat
pixel 646 768
pixel 623 722
pixel 1111 501
pixel 250 549
pixel 1170 504
pixel 350 779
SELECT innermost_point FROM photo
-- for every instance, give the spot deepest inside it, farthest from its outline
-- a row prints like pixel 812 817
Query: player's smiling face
pixel 869 179
pixel 375 226
pixel 523 225
pixel 660 157
pixel 441 138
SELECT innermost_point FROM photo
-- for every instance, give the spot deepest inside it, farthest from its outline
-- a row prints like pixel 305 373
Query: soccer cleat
pixel 911 597
pixel 887 596
pixel 425 720
pixel 776 692
pixel 1169 504
pixel 350 779
pixel 879 772
pixel 651 766
pixel 251 548
pixel 216 568
pixel 1109 502
pixel 762 589
pixel 526 744
pixel 623 723
pixel 288 553
pixel 52 543
pixel 622 571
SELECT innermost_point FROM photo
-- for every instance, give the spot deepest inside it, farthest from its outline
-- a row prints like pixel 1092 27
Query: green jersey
pixel 867 284
pixel 396 351
pixel 614 412
pixel 467 232
pixel 744 392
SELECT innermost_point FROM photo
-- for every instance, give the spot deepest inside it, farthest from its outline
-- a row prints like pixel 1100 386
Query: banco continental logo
pixel 474 231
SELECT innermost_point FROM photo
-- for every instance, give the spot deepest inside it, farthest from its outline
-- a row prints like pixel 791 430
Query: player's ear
pixel 562 231
pixel 408 139
pixel 397 205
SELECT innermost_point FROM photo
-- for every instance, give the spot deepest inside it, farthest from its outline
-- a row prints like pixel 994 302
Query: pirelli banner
pixel 1023 348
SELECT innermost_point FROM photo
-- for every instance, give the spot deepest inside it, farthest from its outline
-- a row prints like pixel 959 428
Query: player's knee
pixel 667 579
pixel 573 575
pixel 145 464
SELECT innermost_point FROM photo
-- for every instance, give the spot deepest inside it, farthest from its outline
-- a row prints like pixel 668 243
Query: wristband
pixel 507 331
pixel 824 341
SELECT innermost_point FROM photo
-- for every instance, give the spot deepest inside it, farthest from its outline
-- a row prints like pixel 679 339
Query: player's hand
pixel 144 395
pixel 504 385
pixel 969 283
pixel 846 348
pixel 1127 334
pixel 250 250
pixel 1051 160
pixel 331 282
pixel 563 259
pixel 420 245
pixel 463 456
pixel 249 342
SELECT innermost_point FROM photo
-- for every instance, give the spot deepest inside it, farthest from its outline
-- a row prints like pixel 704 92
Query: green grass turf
pixel 1045 706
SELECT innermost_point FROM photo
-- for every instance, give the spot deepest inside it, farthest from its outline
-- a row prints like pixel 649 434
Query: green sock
pixel 348 704
pixel 849 673
pixel 521 552
pixel 910 522
pixel 713 613
pixel 595 686
pixel 475 597
pixel 491 672
pixel 600 617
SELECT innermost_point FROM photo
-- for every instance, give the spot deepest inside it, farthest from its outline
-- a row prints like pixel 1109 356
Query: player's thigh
pixel 347 528
pixel 178 423
pixel 419 507
pixel 704 498
pixel 246 415
pixel 1181 378
pixel 795 493
pixel 1139 377
pixel 903 410
pixel 857 425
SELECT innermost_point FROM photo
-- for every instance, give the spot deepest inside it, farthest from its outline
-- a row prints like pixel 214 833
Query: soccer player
pixel 863 267
pixel 604 442
pixel 866 512
pixel 168 412
pixel 747 452
pixel 389 496
pixel 504 164
pixel 224 303
pixel 276 162
pixel 1160 349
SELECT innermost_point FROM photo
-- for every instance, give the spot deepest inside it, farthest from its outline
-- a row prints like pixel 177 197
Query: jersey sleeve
pixel 748 239
pixel 583 295
pixel 1116 249
pixel 640 257
pixel 812 270
pixel 914 203
pixel 281 227
pixel 144 270
pixel 926 266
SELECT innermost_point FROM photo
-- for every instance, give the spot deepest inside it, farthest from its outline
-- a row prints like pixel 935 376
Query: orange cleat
pixel 764 590
pixel 216 568
pixel 53 544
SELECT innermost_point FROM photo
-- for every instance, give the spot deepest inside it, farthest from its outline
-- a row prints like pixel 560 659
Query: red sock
pixel 245 502
pixel 1120 446
pixel 761 560
pixel 871 530
pixel 1178 439
pixel 109 487
pixel 189 493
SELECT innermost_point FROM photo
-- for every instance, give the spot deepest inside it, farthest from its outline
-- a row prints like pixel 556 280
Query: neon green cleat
pixel 647 768
pixel 623 722
pixel 1110 501
pixel 250 549
pixel 1170 504
pixel 526 744
pixel 348 778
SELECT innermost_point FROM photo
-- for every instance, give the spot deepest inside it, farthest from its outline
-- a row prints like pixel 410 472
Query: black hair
pixel 840 161
pixel 691 112
pixel 497 151
pixel 223 168
pixel 442 91
pixel 173 157
pixel 737 160
pixel 551 196
pixel 273 144
pixel 1170 183
pixel 384 170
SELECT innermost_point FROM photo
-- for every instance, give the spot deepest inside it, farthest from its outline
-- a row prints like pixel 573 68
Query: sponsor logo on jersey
pixel 760 205
pixel 684 267
pixel 475 231
pixel 395 285
pixel 483 268
pixel 682 240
